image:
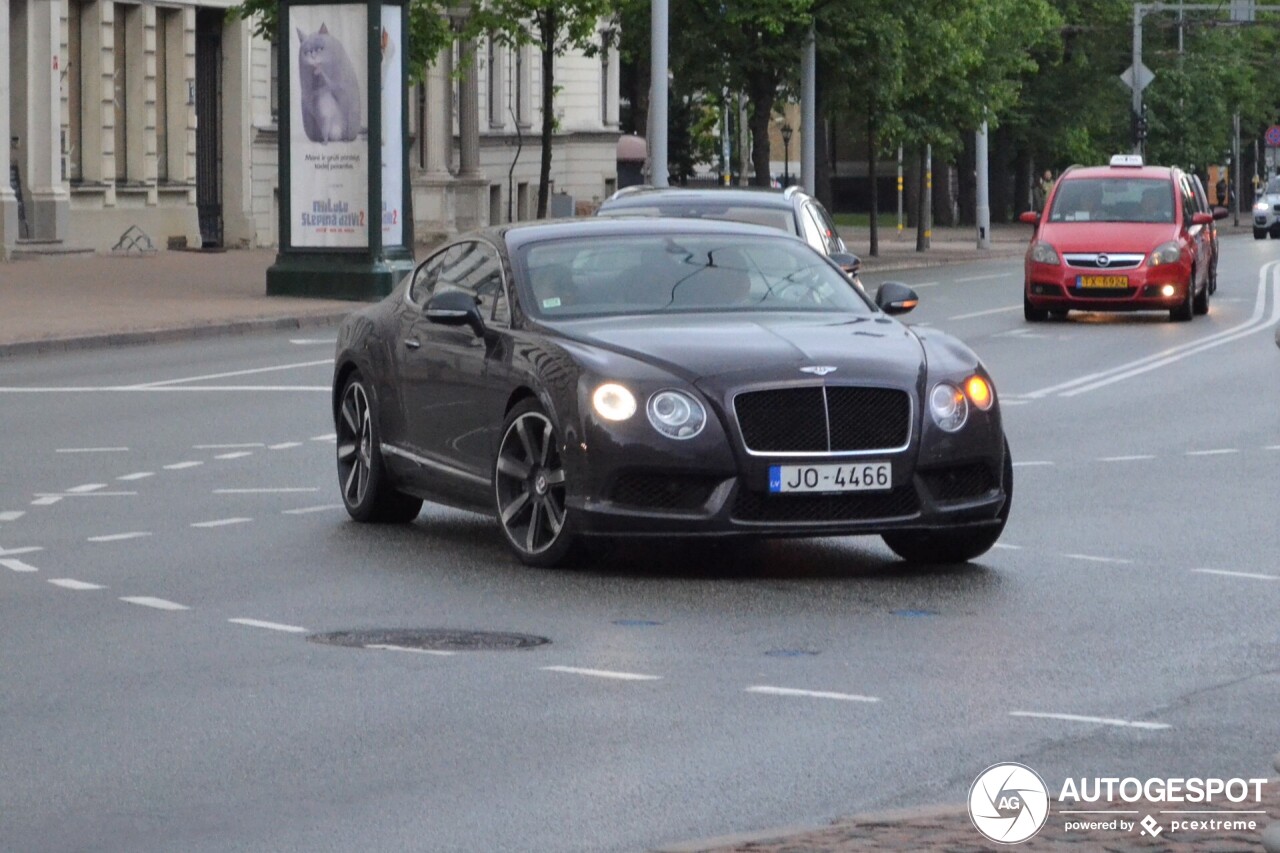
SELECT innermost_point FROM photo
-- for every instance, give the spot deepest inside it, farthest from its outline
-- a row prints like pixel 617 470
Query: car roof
pixel 746 196
pixel 518 234
pixel 1120 172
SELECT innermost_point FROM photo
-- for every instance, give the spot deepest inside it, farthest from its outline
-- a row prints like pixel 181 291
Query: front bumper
pixel 1058 288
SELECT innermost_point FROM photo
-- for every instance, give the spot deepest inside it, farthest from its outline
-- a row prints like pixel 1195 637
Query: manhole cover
pixel 430 639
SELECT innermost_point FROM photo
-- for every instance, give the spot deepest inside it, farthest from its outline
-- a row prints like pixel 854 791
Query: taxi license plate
pixel 853 477
pixel 1102 281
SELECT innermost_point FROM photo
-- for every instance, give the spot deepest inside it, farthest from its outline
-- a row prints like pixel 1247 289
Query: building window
pixel 493 70
pixel 120 91
pixel 75 91
pixel 163 17
pixel 523 86
pixel 604 84
pixel 274 76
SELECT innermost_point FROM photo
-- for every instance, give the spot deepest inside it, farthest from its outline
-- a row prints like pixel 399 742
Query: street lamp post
pixel 786 155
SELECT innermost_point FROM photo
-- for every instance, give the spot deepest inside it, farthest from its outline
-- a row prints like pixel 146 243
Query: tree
pixel 555 26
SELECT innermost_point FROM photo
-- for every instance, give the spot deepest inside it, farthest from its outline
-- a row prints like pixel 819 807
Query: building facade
pixel 161 117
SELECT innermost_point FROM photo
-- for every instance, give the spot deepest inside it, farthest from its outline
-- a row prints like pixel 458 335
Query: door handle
pixel 412 343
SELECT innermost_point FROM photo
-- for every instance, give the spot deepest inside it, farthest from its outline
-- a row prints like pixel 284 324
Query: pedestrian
pixel 1040 192
pixel 1220 190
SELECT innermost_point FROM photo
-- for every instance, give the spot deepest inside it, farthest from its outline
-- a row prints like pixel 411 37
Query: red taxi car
pixel 1123 237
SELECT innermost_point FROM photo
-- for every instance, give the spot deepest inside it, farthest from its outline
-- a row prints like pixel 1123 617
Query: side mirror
pixel 1220 213
pixel 455 308
pixel 1203 218
pixel 1030 217
pixel 847 261
pixel 893 297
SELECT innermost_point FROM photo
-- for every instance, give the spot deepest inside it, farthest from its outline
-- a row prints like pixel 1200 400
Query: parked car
pixel 1202 199
pixel 1123 237
pixel 624 377
pixel 1266 211
pixel 791 210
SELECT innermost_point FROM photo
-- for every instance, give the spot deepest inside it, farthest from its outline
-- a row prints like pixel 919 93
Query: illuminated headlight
pixel 978 390
pixel 948 406
pixel 1043 253
pixel 1260 207
pixel 676 414
pixel 1168 290
pixel 613 402
pixel 1169 253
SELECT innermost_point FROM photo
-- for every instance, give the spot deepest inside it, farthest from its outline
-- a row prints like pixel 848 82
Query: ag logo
pixel 1008 803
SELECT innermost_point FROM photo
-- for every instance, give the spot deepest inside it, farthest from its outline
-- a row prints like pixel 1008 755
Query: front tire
pixel 1259 233
pixel 1031 314
pixel 366 488
pixel 1201 303
pixel 959 546
pixel 529 488
pixel 1185 311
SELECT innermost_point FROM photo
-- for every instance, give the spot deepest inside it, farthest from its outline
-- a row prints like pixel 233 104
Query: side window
pixel 812 230
pixel 834 243
pixel 425 278
pixel 1189 206
pixel 474 267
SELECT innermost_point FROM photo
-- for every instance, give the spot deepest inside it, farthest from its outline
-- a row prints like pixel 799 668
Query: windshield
pixel 771 217
pixel 649 274
pixel 1113 200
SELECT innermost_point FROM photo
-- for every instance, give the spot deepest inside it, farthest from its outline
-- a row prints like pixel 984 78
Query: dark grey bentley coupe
pixel 665 377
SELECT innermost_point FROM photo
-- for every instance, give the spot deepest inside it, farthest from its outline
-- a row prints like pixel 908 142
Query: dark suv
pixel 791 210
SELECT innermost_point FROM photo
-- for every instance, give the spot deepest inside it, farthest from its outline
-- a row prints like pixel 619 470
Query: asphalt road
pixel 1125 625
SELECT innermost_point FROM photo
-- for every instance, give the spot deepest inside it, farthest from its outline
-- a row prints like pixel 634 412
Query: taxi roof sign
pixel 1133 160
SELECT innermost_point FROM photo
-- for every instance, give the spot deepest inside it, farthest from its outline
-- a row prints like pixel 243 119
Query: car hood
pixel 725 350
pixel 1269 200
pixel 1114 237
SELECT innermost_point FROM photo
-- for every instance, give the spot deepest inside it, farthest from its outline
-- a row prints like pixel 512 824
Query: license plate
pixel 859 477
pixel 1102 281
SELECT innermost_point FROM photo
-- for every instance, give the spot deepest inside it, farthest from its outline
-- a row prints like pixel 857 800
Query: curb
pixel 169 335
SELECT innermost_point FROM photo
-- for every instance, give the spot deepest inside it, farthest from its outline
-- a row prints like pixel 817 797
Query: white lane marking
pixel 118 537
pixel 138 475
pixel 13 552
pixel 984 277
pixel 390 648
pixel 332 436
pixel 49 501
pixel 157 603
pixel 284 445
pixel 1077 718
pixel 225 446
pixel 306 509
pixel 221 522
pixel 88 389
pixel 1032 464
pixel 1256 322
pixel 57 496
pixel 1009 547
pixel 1138 457
pixel 305 341
pixel 68 583
pixel 1092 559
pixel 87 487
pixel 925 284
pixel 1249 575
pixel 92 450
pixel 270 626
pixel 1014 402
pixel 12 515
pixel 1220 452
pixel 239 454
pixel 283 491
pixel 985 313
pixel 1272 447
pixel 602 673
pixel 812 694
pixel 18 566
pixel 178 466
pixel 251 372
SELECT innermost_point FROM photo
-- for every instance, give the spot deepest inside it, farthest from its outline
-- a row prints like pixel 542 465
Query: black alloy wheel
pixel 959 546
pixel 529 488
pixel 366 491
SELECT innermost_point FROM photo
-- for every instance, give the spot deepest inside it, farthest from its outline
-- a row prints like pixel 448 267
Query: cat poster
pixel 328 136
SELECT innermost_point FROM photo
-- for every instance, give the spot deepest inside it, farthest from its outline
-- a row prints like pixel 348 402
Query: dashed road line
pixel 1228 574
pixel 57 496
pixel 238 454
pixel 138 475
pixel 1036 463
pixel 1078 718
pixel 390 648
pixel 92 450
pixel 18 566
pixel 156 603
pixel 1219 452
pixel 284 445
pixel 1093 559
pixel 1137 457
pixel 811 694
pixel 266 491
pixel 118 537
pixel 222 522
pixel 988 277
pixel 178 466
pixel 69 583
pixel 270 626
pixel 229 374
pixel 46 501
pixel 602 673
pixel 1007 546
pixel 333 436
pixel 989 311
pixel 309 509
pixel 12 515
pixel 87 487
pixel 228 446
pixel 13 552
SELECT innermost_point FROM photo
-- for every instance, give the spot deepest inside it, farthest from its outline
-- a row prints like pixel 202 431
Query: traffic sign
pixel 1145 76
pixel 1273 136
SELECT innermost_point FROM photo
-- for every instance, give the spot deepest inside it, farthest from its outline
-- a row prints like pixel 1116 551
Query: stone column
pixel 435 118
pixel 42 147
pixel 469 114
pixel 8 201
